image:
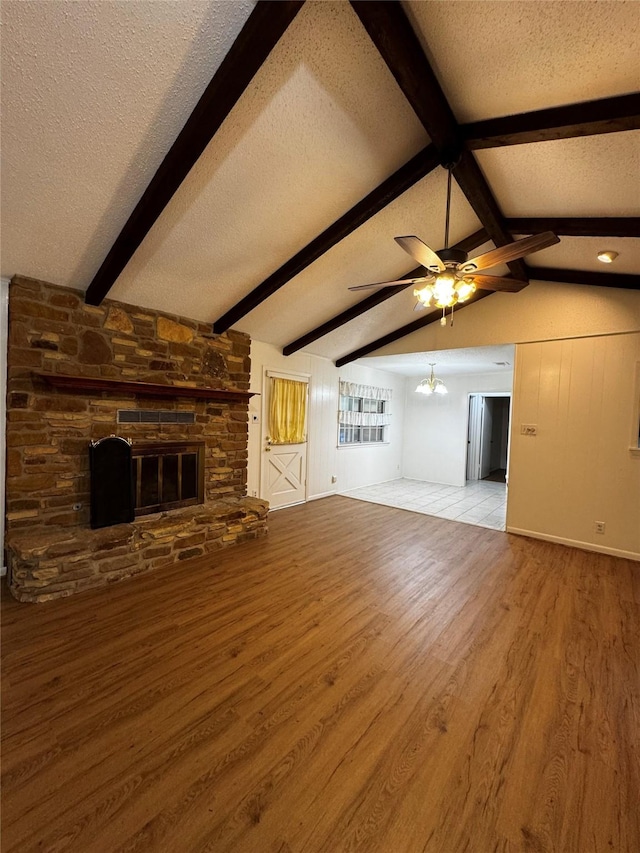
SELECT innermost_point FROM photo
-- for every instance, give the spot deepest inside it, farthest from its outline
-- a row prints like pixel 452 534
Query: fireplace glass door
pixel 167 476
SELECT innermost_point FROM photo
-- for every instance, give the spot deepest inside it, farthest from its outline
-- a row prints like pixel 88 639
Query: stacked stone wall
pixel 52 331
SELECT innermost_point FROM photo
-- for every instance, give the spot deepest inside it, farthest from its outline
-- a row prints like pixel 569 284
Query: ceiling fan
pixel 451 276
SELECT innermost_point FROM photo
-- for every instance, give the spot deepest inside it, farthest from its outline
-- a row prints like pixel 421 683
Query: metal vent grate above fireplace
pixel 155 416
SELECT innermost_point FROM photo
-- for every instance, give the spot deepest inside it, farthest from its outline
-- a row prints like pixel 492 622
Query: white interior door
pixel 283 474
pixel 473 436
pixel 485 442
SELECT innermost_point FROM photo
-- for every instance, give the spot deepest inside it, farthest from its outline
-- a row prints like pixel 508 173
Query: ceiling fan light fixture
pixel 452 277
pixel 465 289
pixel 424 294
pixel 607 256
pixel 444 293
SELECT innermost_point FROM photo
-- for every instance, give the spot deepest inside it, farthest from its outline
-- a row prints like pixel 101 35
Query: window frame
pixel 366 405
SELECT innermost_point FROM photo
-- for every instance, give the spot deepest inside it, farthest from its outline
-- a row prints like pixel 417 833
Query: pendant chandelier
pixel 431 385
pixel 448 289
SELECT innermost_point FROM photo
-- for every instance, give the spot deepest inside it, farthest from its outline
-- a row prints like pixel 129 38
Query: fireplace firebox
pixel 167 475
pixel 129 481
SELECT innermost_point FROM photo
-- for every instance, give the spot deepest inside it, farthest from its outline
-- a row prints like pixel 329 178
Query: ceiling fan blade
pixel 421 252
pixel 496 282
pixel 389 283
pixel 511 252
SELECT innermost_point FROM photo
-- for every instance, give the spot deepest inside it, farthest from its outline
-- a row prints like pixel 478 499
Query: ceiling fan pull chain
pixel 452 307
pixel 443 319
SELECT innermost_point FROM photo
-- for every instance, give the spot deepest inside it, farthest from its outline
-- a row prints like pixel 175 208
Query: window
pixel 363 416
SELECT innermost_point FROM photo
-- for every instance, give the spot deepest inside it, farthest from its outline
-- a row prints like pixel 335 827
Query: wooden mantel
pixel 143 389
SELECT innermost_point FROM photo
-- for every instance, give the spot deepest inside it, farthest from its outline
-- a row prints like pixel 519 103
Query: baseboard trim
pixel 574 543
pixel 307 500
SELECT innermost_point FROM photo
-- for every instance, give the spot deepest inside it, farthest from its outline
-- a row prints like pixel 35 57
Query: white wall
pixel 353 466
pixel 583 397
pixel 435 441
pixel 540 312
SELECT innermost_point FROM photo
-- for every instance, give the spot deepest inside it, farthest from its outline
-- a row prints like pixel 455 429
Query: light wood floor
pixel 366 679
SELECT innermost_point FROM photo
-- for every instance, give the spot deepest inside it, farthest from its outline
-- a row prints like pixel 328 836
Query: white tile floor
pixel 479 502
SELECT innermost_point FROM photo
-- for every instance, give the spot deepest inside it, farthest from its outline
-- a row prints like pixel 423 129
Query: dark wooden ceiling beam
pixel 473 184
pixel 473 241
pixel 594 279
pixel 351 313
pixel 607 115
pixel 467 245
pixel 425 320
pixel 262 31
pixel 571 226
pixel 391 32
pixel 390 189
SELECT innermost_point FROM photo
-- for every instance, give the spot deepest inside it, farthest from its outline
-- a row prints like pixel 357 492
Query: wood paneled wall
pixel 579 468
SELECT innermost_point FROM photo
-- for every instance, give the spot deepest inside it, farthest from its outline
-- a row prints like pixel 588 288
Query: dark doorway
pixel 488 437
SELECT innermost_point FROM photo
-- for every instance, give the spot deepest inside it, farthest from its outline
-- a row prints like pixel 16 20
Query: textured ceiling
pixel 591 176
pixel 304 144
pixel 93 95
pixel 451 362
pixel 496 58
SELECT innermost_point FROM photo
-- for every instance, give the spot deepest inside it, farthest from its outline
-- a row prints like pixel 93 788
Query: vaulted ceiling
pixel 243 164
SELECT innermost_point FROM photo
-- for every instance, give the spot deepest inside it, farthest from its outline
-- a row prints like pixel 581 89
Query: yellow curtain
pixel 287 411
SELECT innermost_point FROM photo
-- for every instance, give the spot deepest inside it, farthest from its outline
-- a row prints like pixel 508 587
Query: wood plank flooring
pixel 365 679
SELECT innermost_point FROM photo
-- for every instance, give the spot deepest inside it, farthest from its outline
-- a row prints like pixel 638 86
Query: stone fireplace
pixel 74 369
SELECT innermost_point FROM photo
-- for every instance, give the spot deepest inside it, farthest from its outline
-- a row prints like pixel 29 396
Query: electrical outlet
pixel 254 494
pixel 334 479
pixel 529 429
pixel 599 526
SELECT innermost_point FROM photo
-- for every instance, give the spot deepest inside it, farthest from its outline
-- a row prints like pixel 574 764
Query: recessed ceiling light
pixel 607 257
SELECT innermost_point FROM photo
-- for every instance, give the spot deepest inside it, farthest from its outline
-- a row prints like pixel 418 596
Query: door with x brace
pixel 284 466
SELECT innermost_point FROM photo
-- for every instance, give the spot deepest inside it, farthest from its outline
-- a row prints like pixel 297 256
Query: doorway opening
pixel 488 437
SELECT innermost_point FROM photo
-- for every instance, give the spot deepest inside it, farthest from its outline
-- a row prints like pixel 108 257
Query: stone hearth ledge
pixel 45 564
